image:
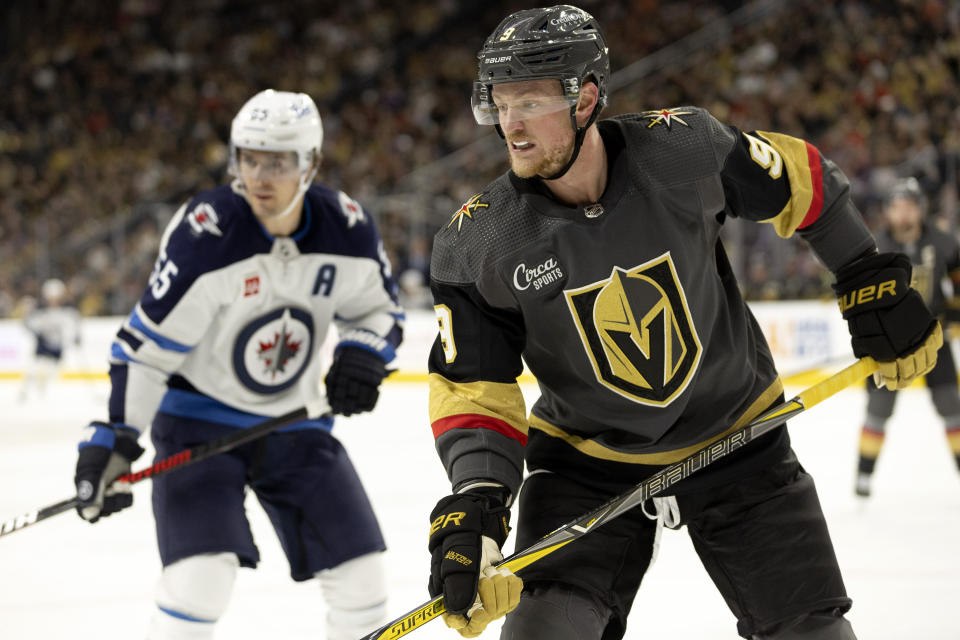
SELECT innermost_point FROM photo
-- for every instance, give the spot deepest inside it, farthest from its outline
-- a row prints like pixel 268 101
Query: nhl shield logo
pixel 637 332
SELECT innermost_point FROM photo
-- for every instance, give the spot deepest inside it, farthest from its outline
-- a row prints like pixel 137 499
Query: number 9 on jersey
pixel 445 320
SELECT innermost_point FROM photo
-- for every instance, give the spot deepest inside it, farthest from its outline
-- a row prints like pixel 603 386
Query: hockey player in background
pixel 249 278
pixel 935 256
pixel 597 261
pixel 54 324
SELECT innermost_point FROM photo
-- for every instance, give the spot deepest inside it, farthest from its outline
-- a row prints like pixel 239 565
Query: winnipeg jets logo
pixel 466 211
pixel 274 350
pixel 204 218
pixel 301 108
pixel 352 211
pixel 665 116
pixel 277 353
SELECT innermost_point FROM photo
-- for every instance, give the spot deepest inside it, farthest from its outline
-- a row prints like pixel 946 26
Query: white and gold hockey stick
pixel 655 484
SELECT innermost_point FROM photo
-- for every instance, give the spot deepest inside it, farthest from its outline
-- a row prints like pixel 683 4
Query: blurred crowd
pixel 114 112
pixel 874 85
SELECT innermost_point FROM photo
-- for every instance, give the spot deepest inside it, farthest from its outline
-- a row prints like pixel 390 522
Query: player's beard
pixel 906 233
pixel 549 162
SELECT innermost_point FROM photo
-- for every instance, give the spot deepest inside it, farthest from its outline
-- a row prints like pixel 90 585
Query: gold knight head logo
pixel 637 331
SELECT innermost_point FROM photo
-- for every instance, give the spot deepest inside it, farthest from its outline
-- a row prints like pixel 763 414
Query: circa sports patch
pixel 537 275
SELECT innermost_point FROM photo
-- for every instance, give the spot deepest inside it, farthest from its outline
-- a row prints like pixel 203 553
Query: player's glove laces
pixel 888 319
pixel 105 455
pixel 353 381
pixel 466 533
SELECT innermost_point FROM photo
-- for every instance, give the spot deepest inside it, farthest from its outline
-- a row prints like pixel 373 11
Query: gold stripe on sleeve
pixel 797 162
pixel 500 400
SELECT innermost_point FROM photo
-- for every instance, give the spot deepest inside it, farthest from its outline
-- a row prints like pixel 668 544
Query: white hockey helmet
pixel 278 121
pixel 53 290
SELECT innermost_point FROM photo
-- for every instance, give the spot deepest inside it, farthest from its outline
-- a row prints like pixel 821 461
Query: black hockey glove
pixel 105 454
pixel 466 533
pixel 888 319
pixel 353 381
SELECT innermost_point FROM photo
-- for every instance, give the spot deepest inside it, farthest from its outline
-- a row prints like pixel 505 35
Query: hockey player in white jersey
pixel 249 278
pixel 54 324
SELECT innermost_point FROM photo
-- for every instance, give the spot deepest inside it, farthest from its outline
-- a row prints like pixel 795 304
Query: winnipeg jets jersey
pixel 53 328
pixel 625 310
pixel 232 319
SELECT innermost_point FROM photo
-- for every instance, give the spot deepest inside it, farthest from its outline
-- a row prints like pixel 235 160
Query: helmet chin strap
pixel 579 134
pixel 304 185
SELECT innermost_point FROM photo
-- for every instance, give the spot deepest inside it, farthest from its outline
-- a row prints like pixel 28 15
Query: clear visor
pixel 486 110
pixel 269 166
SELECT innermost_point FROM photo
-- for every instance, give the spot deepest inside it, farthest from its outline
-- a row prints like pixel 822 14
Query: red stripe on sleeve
pixel 816 178
pixel 477 421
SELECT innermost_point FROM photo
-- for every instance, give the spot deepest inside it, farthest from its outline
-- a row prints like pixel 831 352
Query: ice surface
pixel 64 578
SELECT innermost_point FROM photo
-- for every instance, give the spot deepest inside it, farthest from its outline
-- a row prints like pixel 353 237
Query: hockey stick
pixel 650 487
pixel 316 409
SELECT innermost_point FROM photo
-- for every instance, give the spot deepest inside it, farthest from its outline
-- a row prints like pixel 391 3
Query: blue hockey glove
pixel 104 455
pixel 353 381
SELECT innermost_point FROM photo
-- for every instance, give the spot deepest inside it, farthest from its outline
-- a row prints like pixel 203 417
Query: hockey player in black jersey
pixel 597 261
pixel 935 256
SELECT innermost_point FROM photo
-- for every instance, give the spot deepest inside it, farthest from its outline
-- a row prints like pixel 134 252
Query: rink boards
pixel 802 335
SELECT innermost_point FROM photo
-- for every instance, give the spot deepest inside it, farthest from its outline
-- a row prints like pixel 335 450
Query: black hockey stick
pixel 650 487
pixel 179 460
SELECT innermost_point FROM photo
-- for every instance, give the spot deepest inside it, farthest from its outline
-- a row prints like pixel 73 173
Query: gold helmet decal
pixel 637 331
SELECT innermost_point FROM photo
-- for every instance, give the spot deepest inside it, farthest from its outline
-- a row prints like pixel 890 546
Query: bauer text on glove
pixel 466 533
pixel 888 319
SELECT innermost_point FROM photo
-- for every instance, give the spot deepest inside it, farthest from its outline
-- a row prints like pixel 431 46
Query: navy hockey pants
pixel 303 479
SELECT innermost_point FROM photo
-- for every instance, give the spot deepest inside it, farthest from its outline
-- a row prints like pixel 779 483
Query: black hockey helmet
pixel 562 42
pixel 908 188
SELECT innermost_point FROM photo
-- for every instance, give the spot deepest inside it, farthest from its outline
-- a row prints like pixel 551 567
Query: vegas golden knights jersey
pixel 626 311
